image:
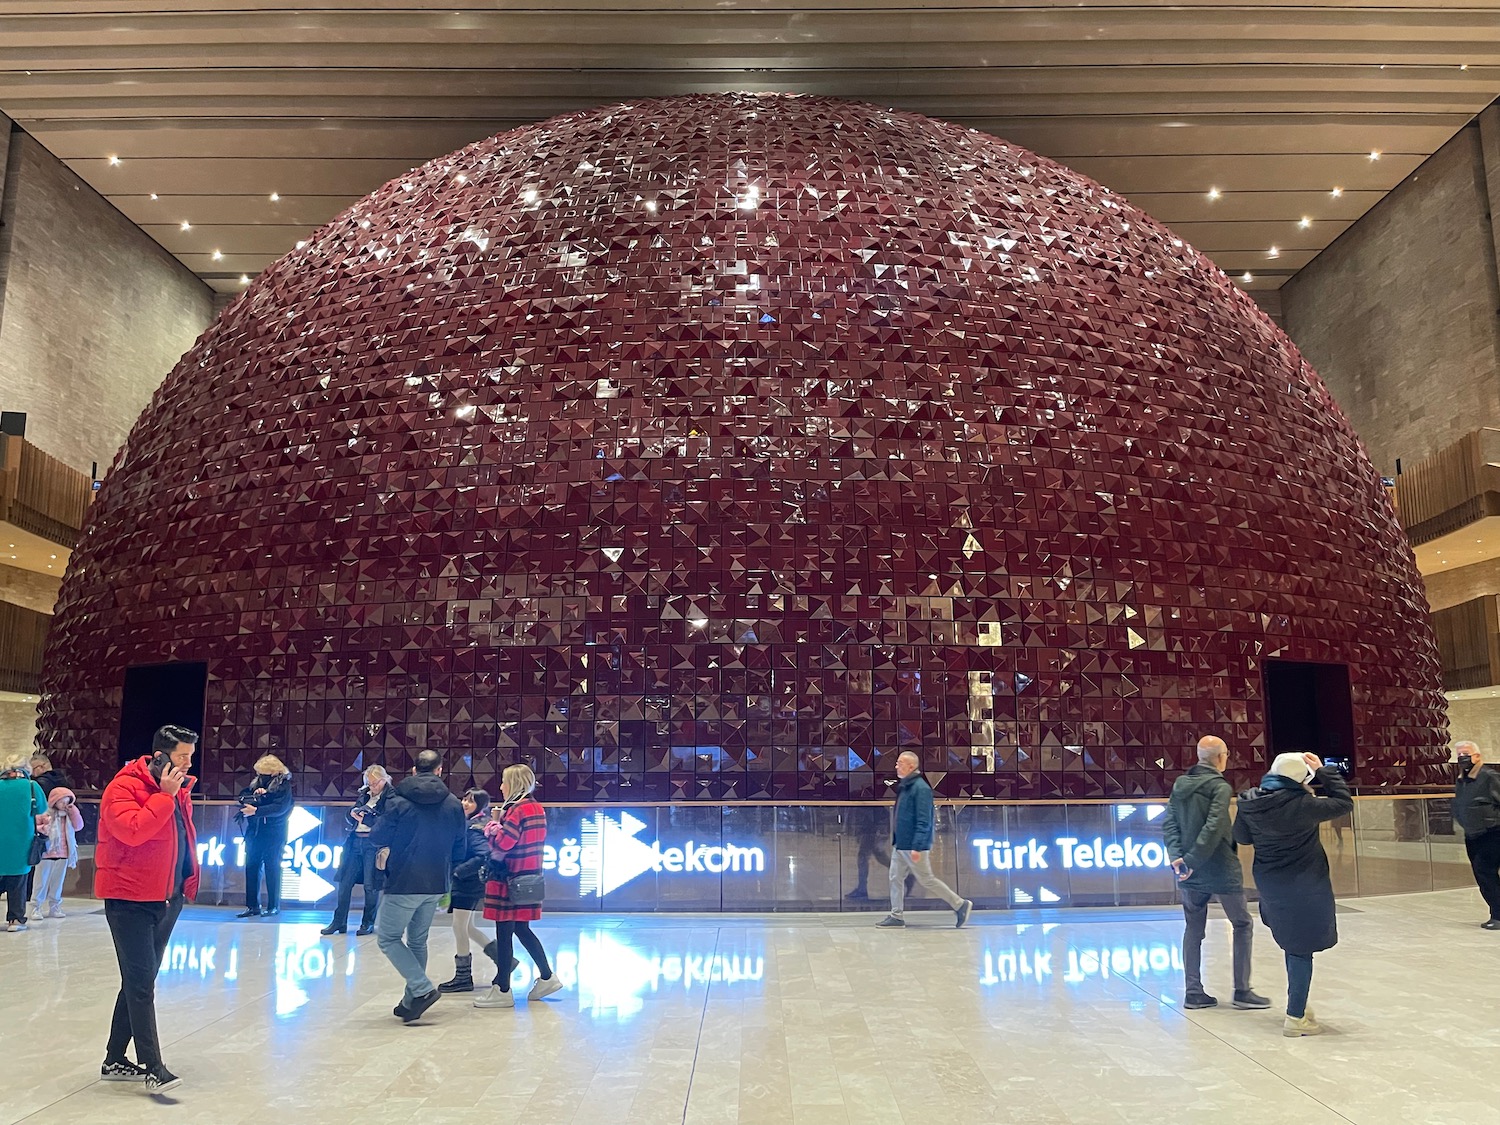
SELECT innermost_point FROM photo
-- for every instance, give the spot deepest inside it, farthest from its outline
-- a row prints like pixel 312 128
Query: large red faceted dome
pixel 724 447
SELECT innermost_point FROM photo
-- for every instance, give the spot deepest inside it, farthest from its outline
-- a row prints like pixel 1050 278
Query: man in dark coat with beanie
pixel 1201 846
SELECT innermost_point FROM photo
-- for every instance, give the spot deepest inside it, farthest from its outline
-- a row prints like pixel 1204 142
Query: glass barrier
pixel 758 857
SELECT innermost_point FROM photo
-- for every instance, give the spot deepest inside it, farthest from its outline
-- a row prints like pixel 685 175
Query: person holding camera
pixel 265 805
pixel 1280 818
pixel 1476 807
pixel 357 863
pixel 145 869
pixel 516 833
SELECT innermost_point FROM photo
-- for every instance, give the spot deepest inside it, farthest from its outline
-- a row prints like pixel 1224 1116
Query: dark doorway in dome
pixel 1309 710
pixel 156 695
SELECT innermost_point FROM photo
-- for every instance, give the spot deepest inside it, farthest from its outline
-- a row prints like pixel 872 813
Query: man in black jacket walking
pixel 1476 807
pixel 1200 844
pixel 423 834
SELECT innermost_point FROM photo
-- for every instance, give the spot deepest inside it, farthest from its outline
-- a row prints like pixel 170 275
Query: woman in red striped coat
pixel 516 832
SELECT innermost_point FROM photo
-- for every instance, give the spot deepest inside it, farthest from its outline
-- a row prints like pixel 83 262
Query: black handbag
pixel 525 890
pixel 38 849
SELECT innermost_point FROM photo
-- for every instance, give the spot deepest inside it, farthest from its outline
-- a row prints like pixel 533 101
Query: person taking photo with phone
pixel 1476 807
pixel 1280 818
pixel 265 806
pixel 145 869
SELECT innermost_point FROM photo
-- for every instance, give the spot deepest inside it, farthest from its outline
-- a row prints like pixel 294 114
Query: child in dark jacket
pixel 467 894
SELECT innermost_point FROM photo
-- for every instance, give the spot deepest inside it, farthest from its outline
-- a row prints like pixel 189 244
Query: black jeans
pixel 1484 858
pixel 141 931
pixel 357 865
pixel 1195 917
pixel 520 931
pixel 263 848
pixel 1298 983
pixel 14 887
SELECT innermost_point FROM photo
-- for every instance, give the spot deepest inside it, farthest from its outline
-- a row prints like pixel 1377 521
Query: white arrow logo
pixel 612 856
pixel 305 886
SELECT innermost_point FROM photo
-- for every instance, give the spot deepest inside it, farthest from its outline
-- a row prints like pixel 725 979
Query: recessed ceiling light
pixel 1305 223
pixel 244 279
pixel 1247 276
pixel 1214 193
pixel 1463 66
pixel 114 160
pixel 153 195
pixel 186 225
pixel 1273 252
pixel 275 197
pixel 1336 192
pixel 1375 154
pixel 218 255
pixel 301 243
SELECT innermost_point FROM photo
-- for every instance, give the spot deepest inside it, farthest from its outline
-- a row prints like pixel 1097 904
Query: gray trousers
pixel 1195 911
pixel 921 867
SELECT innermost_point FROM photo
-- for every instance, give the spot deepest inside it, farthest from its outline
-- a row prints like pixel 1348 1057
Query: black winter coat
pixel 468 876
pixel 52 779
pixel 1476 802
pixel 272 805
pixel 1280 819
pixel 425 829
pixel 373 808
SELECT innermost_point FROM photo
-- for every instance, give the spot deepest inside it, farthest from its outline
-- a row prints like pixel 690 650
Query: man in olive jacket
pixel 1201 848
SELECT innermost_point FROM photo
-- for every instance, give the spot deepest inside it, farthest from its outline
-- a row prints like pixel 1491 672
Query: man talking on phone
pixel 146 867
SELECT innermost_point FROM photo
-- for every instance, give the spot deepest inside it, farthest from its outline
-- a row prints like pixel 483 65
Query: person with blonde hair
pixel 21 806
pixel 516 832
pixel 265 805
pixel 357 863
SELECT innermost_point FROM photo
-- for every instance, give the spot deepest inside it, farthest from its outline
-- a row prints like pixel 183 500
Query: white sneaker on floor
pixel 15 927
pixel 1293 1028
pixel 494 998
pixel 544 987
pixel 56 912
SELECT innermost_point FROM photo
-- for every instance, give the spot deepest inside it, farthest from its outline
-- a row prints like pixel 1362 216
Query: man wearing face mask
pixel 1476 807
pixel 146 868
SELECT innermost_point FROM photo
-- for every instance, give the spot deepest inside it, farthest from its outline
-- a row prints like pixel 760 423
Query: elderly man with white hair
pixel 911 845
pixel 1476 807
pixel 1200 844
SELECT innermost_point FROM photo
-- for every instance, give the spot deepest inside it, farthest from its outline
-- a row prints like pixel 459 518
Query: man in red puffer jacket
pixel 146 867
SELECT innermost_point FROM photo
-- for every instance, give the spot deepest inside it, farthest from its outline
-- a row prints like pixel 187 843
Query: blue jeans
pixel 410 915
pixel 1298 983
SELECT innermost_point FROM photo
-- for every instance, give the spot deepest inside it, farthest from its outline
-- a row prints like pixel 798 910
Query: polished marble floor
pixel 1068 1017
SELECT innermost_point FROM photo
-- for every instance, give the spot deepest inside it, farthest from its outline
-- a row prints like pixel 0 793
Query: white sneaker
pixel 494 998
pixel 37 913
pixel 1293 1028
pixel 56 912
pixel 544 987
pixel 15 927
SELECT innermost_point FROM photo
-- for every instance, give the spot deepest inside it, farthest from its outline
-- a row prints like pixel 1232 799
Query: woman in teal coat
pixel 21 802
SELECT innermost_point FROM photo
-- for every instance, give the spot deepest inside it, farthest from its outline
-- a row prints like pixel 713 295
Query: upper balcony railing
pixel 1451 489
pixel 40 494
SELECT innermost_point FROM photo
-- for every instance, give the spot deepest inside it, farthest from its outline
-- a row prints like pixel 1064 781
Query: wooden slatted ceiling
pixel 211 106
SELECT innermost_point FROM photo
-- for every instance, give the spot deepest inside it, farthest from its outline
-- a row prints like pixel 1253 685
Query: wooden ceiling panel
pixel 212 105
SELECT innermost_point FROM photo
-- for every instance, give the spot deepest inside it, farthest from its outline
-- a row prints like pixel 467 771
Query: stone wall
pixel 93 313
pixel 27 588
pixel 1399 315
pixel 17 727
